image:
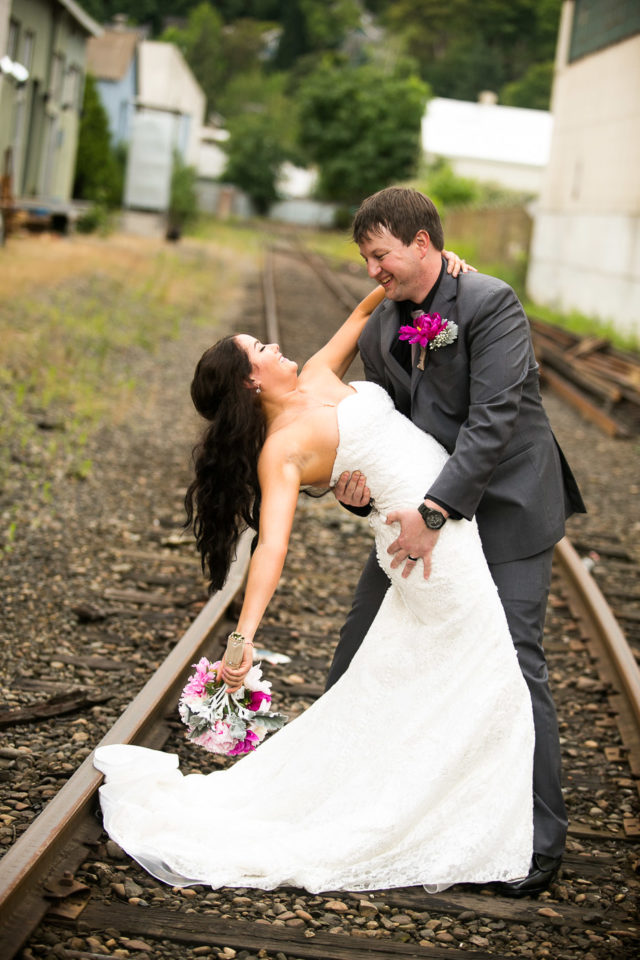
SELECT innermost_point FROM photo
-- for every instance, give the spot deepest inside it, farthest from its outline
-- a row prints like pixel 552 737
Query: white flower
pixel 259 729
pixel 253 680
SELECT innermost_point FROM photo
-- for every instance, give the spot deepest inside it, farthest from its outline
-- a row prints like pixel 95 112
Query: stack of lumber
pixel 601 381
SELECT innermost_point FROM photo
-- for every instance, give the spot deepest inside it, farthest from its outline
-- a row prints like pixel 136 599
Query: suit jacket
pixel 479 397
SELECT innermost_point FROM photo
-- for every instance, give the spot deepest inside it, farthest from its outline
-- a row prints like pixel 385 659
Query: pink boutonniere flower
pixel 429 331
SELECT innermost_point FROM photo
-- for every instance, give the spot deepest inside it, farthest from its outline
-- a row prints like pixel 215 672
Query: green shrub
pixel 94 220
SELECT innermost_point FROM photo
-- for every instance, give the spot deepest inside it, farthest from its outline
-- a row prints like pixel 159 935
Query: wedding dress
pixel 415 768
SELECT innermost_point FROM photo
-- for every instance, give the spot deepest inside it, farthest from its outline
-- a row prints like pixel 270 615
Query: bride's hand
pixel 234 676
pixel 352 490
pixel 456 265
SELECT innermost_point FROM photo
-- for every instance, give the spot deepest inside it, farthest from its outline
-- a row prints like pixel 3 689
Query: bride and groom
pixel 416 766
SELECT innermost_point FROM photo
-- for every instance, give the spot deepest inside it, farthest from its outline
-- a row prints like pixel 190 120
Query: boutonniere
pixel 430 331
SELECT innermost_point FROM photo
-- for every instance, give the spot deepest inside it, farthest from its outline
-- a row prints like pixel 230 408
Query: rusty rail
pixel 34 857
pixel 603 630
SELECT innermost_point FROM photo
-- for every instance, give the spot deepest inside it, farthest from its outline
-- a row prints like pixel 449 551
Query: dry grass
pixel 76 312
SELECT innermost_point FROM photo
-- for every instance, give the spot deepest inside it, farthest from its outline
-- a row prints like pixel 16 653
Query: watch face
pixel 432 518
pixel 435 520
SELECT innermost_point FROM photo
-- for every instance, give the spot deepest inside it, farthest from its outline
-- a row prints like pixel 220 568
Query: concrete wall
pixel 585 252
pixel 498 233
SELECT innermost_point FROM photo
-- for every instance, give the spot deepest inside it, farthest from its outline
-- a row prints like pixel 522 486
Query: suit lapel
pixel 445 295
pixel 442 304
pixel 388 334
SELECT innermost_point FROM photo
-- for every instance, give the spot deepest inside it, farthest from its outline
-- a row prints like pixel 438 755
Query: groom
pixel 478 395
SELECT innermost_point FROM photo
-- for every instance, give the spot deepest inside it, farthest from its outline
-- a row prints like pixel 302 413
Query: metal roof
pixel 487 131
pixel 82 17
pixel 109 56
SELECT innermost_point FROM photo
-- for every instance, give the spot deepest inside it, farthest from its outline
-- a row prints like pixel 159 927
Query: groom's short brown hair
pixel 403 212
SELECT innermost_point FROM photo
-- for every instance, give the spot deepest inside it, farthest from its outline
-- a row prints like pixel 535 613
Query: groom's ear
pixel 422 242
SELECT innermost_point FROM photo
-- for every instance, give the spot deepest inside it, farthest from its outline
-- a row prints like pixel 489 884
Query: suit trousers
pixel 523 587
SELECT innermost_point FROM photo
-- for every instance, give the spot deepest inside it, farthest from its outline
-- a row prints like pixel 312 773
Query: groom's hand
pixel 413 541
pixel 352 490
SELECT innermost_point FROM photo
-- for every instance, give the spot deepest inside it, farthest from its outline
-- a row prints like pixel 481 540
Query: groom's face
pixel 399 268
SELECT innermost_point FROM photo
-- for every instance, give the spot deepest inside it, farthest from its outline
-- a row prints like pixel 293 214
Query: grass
pixel 76 313
pixel 584 326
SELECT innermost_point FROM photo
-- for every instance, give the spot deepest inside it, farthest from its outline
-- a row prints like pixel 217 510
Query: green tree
pixel 446 189
pixel 361 128
pixel 309 26
pixel 201 43
pixel 507 38
pixel 532 90
pixel 254 157
pixel 243 43
pixel 99 175
pixel 254 92
pixel 183 200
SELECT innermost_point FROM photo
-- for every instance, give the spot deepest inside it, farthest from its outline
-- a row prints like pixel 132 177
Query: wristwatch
pixel 433 519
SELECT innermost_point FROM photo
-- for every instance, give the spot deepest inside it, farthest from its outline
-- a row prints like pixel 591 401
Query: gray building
pixel 42 70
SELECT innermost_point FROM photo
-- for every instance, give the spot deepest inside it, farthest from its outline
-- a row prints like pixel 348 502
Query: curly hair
pixel 224 496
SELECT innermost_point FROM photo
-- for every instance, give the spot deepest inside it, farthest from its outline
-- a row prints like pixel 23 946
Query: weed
pixel 9 537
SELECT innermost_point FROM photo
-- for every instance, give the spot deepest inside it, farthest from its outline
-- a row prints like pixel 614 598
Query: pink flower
pixel 249 743
pixel 257 698
pixel 196 685
pixel 427 327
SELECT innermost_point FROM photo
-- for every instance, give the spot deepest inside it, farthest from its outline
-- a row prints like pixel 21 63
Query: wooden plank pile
pixel 603 383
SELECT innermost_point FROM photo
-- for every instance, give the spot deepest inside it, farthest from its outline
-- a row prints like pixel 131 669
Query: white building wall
pixel 150 159
pixel 585 251
pixel 166 83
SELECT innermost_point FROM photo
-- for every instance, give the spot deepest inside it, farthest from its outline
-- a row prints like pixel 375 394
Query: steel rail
pixel 600 624
pixel 41 849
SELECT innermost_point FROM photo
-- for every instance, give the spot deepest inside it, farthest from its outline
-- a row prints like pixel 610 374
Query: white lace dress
pixel 415 768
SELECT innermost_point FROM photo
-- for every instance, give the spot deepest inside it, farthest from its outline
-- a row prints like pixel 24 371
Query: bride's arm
pixel 338 354
pixel 279 478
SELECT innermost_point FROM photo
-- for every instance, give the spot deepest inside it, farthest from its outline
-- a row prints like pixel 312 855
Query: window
pixel 12 40
pixel 71 89
pixel 57 76
pixel 27 49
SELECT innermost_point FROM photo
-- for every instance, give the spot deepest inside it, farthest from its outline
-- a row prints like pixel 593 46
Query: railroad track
pixel 65 891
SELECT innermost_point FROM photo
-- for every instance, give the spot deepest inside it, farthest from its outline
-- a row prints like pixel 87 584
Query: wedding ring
pixel 415 559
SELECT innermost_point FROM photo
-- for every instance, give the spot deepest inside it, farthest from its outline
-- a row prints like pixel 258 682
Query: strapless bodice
pixel 399 461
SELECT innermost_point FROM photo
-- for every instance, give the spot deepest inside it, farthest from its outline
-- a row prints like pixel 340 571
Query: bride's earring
pixel 258 389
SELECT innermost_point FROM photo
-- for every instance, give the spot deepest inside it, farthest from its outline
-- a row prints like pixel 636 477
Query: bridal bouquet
pixel 227 723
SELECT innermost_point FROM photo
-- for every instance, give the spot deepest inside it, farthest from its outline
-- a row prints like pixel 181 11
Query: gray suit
pixel 479 397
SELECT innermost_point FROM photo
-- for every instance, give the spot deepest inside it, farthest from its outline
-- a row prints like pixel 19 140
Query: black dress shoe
pixel 542 873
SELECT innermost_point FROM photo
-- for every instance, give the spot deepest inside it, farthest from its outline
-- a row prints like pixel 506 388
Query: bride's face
pixel 269 367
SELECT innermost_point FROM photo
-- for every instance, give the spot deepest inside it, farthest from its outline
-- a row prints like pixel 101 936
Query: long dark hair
pixel 224 496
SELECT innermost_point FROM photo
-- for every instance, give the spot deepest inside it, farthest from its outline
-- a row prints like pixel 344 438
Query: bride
pixel 416 766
